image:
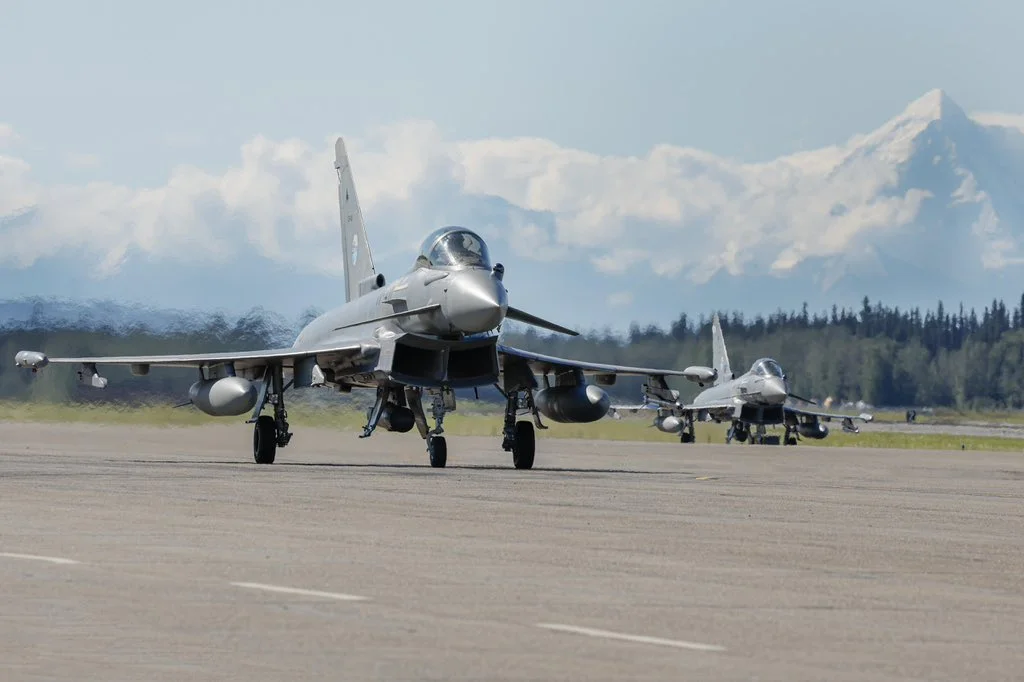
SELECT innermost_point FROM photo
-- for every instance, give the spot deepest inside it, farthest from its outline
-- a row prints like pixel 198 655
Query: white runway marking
pixel 306 593
pixel 36 557
pixel 605 634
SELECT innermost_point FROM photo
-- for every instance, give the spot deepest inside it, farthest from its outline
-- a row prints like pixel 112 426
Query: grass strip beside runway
pixel 459 424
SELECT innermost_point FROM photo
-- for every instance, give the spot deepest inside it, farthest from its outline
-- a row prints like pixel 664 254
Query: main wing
pixel 287 357
pixel 827 415
pixel 518 367
pixel 544 364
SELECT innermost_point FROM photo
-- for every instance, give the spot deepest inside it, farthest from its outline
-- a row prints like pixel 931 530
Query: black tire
pixel 791 440
pixel 525 446
pixel 687 438
pixel 264 440
pixel 742 436
pixel 437 448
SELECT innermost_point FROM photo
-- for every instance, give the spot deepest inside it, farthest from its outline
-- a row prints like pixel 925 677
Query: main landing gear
pixel 270 432
pixel 756 434
pixel 791 435
pixel 519 436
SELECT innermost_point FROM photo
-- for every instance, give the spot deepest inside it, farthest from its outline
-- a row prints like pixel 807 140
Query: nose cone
pixel 774 391
pixel 475 302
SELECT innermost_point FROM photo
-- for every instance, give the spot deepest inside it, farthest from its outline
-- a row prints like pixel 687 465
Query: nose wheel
pixel 437 446
pixel 518 436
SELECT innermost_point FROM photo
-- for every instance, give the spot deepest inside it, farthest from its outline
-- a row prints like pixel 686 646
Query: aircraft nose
pixel 476 302
pixel 774 390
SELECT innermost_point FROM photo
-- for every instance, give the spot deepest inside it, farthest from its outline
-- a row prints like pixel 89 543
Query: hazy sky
pixel 607 147
pixel 146 85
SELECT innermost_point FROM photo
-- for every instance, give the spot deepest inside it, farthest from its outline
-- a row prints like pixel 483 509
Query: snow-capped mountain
pixel 928 206
pixel 964 240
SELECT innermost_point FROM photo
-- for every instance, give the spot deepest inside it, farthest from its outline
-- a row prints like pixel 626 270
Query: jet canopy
pixel 453 247
pixel 766 367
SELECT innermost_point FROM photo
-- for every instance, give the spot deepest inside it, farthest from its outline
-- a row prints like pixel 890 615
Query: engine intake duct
pixel 421 361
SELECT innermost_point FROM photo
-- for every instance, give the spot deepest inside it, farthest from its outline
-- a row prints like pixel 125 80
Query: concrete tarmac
pixel 131 553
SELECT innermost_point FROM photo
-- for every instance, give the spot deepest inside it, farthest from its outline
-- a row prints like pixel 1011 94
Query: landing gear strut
pixel 739 431
pixel 437 446
pixel 688 435
pixel 519 436
pixel 757 438
pixel 270 432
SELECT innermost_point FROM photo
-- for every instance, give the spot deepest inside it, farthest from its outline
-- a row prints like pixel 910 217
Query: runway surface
pixel 165 554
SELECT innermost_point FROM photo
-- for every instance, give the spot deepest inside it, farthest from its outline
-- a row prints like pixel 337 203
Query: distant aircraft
pixel 749 402
pixel 429 332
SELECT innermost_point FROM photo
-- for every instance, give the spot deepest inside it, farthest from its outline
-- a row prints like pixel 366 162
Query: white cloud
pixel 678 212
pixel 619 261
pixel 80 160
pixel 995 118
pixel 7 134
pixel 620 299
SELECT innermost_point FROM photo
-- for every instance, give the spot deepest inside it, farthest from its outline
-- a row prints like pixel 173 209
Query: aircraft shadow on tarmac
pixel 417 467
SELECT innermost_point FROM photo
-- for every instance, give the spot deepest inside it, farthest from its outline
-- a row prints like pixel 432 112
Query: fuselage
pixel 747 388
pixel 457 299
pixel 461 303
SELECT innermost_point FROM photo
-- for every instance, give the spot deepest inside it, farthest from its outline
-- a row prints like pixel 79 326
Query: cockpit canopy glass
pixel 454 247
pixel 766 367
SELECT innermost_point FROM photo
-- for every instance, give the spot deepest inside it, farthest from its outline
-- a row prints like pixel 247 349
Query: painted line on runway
pixel 640 639
pixel 305 593
pixel 36 557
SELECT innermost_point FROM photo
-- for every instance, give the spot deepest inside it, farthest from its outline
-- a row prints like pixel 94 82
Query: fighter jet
pixel 431 331
pixel 750 402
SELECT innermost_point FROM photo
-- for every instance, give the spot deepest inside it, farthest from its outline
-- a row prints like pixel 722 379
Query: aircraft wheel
pixel 437 448
pixel 264 440
pixel 687 438
pixel 790 440
pixel 525 446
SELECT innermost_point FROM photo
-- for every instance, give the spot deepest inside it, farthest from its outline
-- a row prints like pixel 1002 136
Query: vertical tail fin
pixel 719 357
pixel 355 247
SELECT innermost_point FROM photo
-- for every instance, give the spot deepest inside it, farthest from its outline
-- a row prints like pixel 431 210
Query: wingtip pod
pixel 32 359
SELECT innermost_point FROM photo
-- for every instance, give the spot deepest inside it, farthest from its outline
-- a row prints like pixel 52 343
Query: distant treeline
pixel 258 328
pixel 884 356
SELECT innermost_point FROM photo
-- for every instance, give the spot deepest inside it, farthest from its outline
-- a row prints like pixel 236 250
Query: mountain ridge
pixel 927 206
